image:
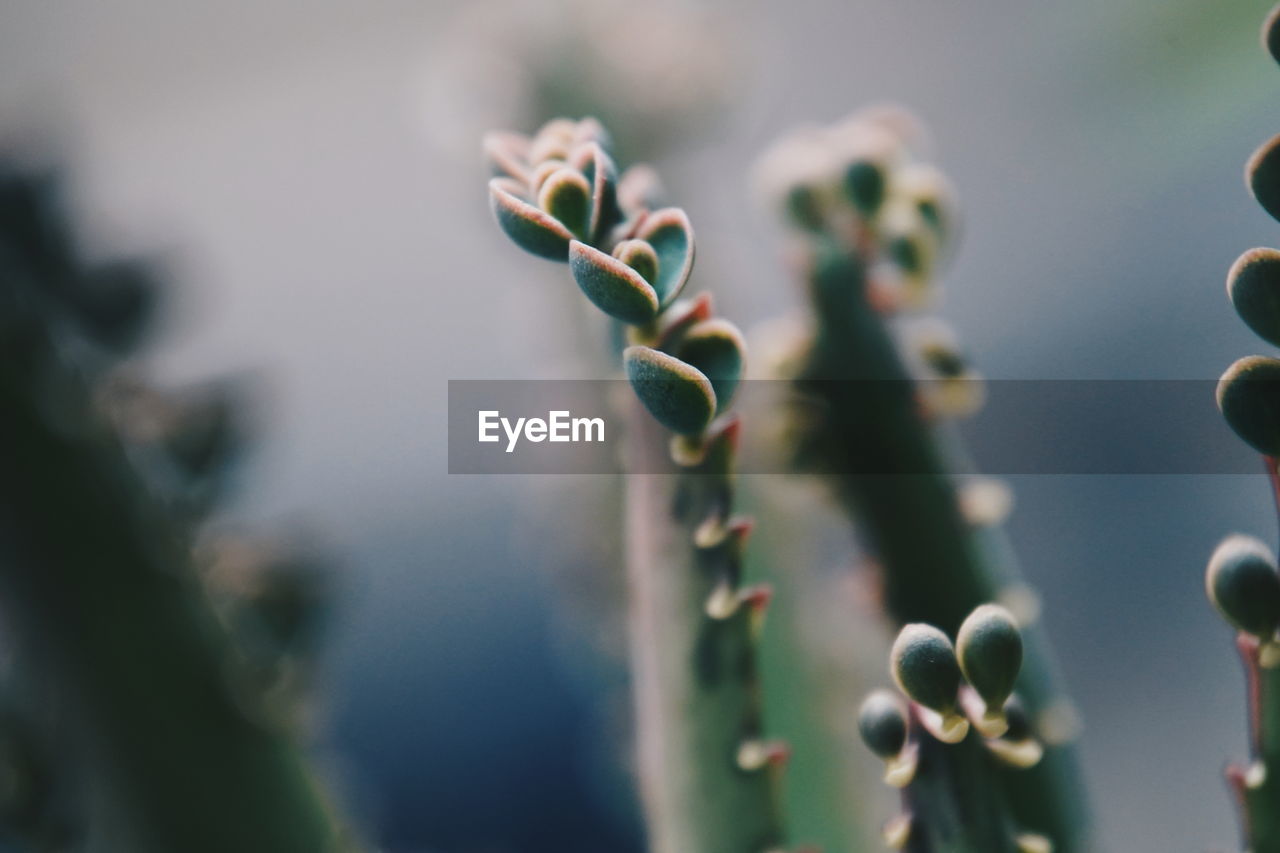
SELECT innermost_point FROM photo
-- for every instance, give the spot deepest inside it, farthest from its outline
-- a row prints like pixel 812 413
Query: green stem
pixel 695 676
pixel 952 792
pixel 934 569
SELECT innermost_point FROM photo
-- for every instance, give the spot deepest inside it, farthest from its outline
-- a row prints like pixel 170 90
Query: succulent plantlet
pixel 953 799
pixel 923 664
pixel 882 722
pixel 707 775
pixel 1242 580
pixel 103 500
pixel 872 402
pixel 989 649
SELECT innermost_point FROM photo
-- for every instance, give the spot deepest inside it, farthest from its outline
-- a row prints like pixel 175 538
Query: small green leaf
pixel 678 395
pixel 611 285
pixel 1262 173
pixel 1254 288
pixel 989 649
pixel 1243 583
pixel 669 232
pixel 882 722
pixel 716 348
pixel 1249 397
pixel 925 668
pixel 566 195
pixel 533 230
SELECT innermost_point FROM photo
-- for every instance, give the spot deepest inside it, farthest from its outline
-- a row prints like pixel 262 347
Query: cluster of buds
pixel 862 179
pixel 558 194
pixel 950 695
pixel 862 187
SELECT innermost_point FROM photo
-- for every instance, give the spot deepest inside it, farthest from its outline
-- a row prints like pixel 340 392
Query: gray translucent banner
pixel 1023 427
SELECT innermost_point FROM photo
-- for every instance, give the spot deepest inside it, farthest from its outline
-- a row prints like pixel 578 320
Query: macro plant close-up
pixel 596 426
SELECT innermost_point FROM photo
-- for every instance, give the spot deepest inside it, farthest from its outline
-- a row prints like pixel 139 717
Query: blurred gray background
pixel 311 170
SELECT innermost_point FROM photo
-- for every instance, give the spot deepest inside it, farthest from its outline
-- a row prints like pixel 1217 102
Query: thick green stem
pixel 695 681
pixel 98 580
pixel 891 476
pixel 962 811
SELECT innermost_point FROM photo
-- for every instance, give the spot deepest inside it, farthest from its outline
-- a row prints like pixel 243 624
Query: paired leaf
pixel 677 394
pixel 717 350
pixel 1253 284
pixel 598 168
pixel 1249 397
pixel 612 286
pixel 533 230
pixel 669 232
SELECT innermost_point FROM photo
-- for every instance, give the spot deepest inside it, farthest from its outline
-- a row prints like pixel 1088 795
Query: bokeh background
pixel 312 172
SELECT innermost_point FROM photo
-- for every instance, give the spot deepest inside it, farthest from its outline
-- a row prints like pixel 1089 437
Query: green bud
pixel 677 394
pixel 1253 284
pixel 1249 397
pixel 924 666
pixel 866 183
pixel 882 722
pixel 1262 173
pixel 989 648
pixel 1243 583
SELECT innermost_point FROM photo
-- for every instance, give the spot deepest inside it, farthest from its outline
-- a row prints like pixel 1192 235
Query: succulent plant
pixel 938 744
pixel 707 773
pixel 104 493
pixel 875 387
pixel 1242 580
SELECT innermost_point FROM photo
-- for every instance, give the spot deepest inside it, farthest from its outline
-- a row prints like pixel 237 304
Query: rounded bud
pixel 1243 583
pixel 924 666
pixel 1271 34
pixel 989 648
pixel 882 722
pixel 1253 285
pixel 1262 173
pixel 1249 397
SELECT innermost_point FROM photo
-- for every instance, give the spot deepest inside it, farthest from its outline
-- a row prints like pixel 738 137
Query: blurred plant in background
pixel 171 683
